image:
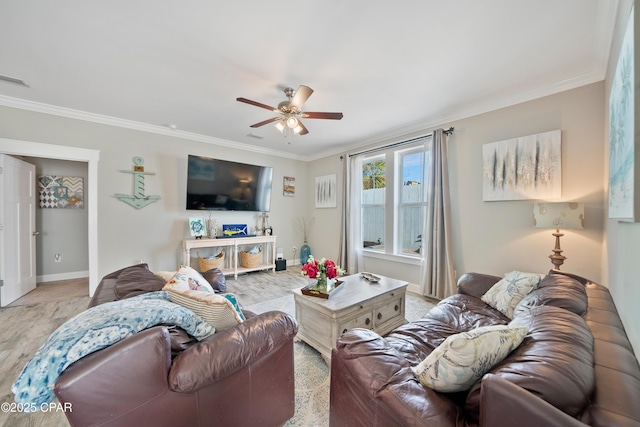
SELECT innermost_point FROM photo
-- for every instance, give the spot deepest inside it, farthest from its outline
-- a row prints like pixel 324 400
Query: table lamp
pixel 558 215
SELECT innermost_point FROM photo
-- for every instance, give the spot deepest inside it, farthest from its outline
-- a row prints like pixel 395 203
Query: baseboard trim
pixel 413 288
pixel 62 276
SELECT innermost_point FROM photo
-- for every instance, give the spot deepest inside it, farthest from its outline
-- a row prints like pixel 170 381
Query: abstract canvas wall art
pixel 326 191
pixel 621 133
pixel 61 192
pixel 522 168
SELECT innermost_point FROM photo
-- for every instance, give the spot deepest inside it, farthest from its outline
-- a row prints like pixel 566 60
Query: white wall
pixel 623 239
pixel 497 237
pixel 154 233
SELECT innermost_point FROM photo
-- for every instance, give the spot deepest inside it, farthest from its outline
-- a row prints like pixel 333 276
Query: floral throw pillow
pixel 462 359
pixel 185 279
pixel 505 295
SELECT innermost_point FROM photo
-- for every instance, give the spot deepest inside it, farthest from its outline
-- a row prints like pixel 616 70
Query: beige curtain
pixel 350 251
pixel 437 273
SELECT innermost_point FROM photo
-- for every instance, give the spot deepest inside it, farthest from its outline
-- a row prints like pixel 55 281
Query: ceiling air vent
pixel 13 80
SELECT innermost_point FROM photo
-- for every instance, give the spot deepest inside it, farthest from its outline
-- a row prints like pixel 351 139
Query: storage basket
pixel 209 264
pixel 250 260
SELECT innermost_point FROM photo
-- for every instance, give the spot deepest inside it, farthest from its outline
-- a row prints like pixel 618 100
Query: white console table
pixel 233 245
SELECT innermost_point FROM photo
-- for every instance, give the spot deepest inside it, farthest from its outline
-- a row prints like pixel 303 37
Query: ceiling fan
pixel 290 111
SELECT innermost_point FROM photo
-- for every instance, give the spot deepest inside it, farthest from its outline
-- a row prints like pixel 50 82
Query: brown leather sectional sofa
pixel 576 366
pixel 242 376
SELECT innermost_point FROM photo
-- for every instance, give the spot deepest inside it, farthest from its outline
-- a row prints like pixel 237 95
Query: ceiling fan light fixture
pixel 280 125
pixel 297 129
pixel 292 122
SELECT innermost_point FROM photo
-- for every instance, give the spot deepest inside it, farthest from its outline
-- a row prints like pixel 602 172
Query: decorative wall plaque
pixel 138 199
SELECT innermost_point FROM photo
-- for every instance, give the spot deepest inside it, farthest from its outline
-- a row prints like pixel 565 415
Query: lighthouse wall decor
pixel 138 199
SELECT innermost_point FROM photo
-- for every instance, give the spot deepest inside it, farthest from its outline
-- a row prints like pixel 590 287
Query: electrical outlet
pixel 57 258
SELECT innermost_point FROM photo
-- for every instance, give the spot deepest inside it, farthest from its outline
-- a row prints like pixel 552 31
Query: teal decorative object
pixel 138 200
pixel 305 253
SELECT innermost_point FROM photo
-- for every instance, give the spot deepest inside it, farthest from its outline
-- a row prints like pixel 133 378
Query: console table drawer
pixel 365 320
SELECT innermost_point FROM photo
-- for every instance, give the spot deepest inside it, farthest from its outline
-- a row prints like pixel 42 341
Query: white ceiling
pixel 390 67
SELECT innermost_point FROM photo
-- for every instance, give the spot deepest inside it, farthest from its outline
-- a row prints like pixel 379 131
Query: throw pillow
pixel 135 281
pixel 165 275
pixel 462 359
pixel 558 291
pixel 220 311
pixel 94 329
pixel 186 278
pixel 505 295
pixel 216 280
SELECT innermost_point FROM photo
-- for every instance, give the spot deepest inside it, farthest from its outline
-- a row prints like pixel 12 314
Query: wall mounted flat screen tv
pixel 214 184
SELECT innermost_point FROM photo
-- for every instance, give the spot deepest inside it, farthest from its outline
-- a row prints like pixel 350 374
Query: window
pixel 411 201
pixel 392 200
pixel 374 182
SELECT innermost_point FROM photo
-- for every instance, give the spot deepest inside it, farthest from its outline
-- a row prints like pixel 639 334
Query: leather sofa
pixel 575 367
pixel 162 377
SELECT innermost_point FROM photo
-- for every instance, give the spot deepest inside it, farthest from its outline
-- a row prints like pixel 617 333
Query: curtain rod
pixel 397 144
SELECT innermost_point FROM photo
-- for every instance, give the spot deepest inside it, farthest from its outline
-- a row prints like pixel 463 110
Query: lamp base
pixel 557 259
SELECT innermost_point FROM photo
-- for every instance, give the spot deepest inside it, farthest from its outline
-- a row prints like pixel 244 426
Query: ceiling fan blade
pixel 257 104
pixel 331 116
pixel 266 122
pixel 304 130
pixel 300 97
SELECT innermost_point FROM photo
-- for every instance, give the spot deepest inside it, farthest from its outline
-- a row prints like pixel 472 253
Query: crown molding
pixel 70 113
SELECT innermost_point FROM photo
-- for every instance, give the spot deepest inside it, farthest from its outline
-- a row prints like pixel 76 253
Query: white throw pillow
pixel 505 295
pixel 165 275
pixel 220 311
pixel 462 359
pixel 186 278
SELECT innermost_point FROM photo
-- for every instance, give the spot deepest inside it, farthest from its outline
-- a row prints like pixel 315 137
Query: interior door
pixel 17 229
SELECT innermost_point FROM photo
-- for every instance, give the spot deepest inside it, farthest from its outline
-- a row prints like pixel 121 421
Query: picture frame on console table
pixel 196 227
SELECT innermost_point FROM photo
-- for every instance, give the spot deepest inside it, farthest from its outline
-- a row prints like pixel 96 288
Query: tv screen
pixel 214 184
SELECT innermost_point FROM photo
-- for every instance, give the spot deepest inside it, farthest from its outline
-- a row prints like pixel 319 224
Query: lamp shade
pixel 558 215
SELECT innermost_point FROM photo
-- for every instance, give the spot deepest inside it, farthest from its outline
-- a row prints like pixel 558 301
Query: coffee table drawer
pixel 365 320
pixel 391 309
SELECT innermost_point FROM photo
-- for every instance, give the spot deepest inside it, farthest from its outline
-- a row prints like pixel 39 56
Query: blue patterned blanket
pixel 95 329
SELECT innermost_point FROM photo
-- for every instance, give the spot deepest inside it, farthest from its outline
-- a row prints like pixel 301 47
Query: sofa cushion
pixel 219 310
pixel 463 358
pixel 554 362
pixel 558 291
pixel 216 280
pixel 186 278
pixel 134 281
pixel 505 295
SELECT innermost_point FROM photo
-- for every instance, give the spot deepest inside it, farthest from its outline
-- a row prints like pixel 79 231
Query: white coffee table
pixel 357 304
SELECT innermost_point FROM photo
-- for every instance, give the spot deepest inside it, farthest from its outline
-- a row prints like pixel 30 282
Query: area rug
pixel 312 374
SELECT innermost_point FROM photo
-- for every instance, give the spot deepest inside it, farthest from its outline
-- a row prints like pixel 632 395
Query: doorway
pixel 61 152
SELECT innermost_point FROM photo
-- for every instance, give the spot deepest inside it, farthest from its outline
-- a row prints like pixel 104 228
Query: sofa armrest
pixel 476 284
pixel 503 403
pixel 228 351
pixel 135 367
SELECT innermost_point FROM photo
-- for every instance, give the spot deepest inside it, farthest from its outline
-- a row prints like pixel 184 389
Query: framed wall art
pixel 523 168
pixel 325 191
pixel 622 157
pixel 289 186
pixel 61 192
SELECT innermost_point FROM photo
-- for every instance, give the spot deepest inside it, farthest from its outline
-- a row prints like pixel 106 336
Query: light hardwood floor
pixel 55 291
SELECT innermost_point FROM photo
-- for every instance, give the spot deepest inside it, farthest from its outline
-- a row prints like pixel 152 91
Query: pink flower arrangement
pixel 314 268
